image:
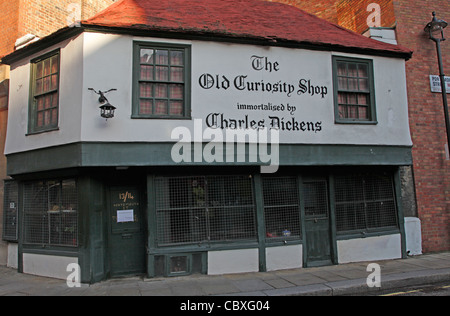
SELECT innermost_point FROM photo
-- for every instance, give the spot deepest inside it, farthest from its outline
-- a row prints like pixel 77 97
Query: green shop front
pixel 163 221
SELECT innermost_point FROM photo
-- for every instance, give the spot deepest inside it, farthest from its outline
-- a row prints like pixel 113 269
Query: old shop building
pixel 157 190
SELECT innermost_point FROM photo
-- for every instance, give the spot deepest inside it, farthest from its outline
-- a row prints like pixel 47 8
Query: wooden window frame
pixel 33 127
pixel 372 119
pixel 137 46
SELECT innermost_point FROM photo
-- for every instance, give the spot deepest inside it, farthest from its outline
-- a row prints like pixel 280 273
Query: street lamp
pixel 435 29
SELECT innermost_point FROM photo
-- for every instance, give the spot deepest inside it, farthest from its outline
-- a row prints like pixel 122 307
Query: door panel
pixel 127 236
pixel 317 223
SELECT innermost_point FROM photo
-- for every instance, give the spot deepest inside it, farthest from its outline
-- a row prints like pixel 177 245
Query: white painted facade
pixel 105 61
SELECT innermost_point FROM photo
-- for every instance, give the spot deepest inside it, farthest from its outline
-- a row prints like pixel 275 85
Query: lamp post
pixel 436 31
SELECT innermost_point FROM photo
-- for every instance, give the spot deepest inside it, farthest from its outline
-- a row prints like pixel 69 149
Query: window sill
pixel 356 122
pixel 174 118
pixel 43 131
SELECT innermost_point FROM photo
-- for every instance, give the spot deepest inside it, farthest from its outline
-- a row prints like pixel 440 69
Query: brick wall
pixel 431 166
pixel 427 122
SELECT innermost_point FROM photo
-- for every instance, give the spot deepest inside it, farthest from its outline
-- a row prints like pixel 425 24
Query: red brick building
pixel 427 122
pixel 29 20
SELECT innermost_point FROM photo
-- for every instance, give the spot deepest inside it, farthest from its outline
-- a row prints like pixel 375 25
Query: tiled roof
pixel 239 19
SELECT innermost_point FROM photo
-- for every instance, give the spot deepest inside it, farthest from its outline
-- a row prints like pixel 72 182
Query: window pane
pixel 161 91
pixel 343 84
pixel 176 58
pixel 147 56
pixel 39 70
pixel 39 86
pixel 363 71
pixel 176 108
pixel 342 69
pixel 353 84
pixel 55 64
pixel 352 70
pixel 176 74
pixel 147 72
pixel 161 107
pixel 363 85
pixel 40 103
pixel 176 91
pixel 146 90
pixel 46 84
pixel 162 73
pixel 281 208
pixel 162 57
pixel 146 107
pixel 54 84
pixel 46 67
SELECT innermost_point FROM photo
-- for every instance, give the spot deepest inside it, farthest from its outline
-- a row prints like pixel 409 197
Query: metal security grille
pixel 204 209
pixel 10 210
pixel 50 213
pixel 365 202
pixel 281 208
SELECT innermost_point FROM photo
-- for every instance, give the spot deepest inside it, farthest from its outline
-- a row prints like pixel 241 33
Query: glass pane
pixel 55 64
pixel 161 107
pixel 146 90
pixel 39 70
pixel 47 117
pixel 353 84
pixel 46 67
pixel 352 70
pixel 54 82
pixel 46 84
pixel 162 73
pixel 40 104
pixel 161 91
pixel 54 100
pixel 176 58
pixel 363 113
pixel 363 71
pixel 176 74
pixel 353 112
pixel 363 99
pixel 342 111
pixel 176 91
pixel 342 98
pixel 162 57
pixel 146 107
pixel 48 101
pixel 342 69
pixel 146 72
pixel 54 117
pixel 342 82
pixel 363 85
pixel 38 86
pixel 176 108
pixel 352 99
pixel 147 56
pixel 40 119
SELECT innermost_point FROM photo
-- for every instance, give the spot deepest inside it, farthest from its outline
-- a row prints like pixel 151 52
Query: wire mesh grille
pixel 50 213
pixel 365 202
pixel 10 209
pixel 202 209
pixel 281 208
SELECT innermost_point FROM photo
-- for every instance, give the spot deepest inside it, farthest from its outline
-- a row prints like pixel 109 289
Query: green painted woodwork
pixel 96 154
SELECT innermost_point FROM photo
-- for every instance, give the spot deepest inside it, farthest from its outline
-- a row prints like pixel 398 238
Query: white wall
pixel 370 249
pixel 71 70
pixel 233 261
pixel 284 257
pixel 104 61
pixel 47 266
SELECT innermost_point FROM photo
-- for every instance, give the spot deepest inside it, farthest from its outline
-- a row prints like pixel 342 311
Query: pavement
pixel 339 280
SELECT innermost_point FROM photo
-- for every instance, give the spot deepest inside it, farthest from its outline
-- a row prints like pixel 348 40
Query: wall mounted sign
pixel 435 82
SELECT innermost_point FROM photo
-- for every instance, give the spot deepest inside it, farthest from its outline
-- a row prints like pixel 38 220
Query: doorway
pixel 318 247
pixel 127 231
